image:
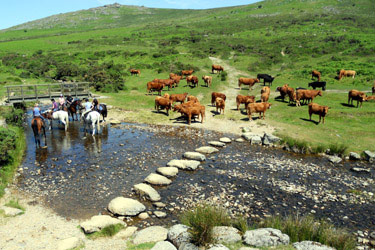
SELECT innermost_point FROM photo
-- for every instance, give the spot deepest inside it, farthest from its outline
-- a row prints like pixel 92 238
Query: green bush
pixel 223 76
pixel 14 117
pixel 7 143
pixel 337 149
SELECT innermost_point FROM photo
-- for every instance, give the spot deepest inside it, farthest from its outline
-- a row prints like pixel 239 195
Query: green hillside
pixel 285 38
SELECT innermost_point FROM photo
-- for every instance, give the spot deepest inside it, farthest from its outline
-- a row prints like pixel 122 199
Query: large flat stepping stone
pixel 226 234
pixel 70 243
pixel 311 245
pixel 265 237
pixel 217 143
pixel 168 171
pixel 150 234
pixel 97 222
pixel 157 179
pixel 225 140
pixel 125 206
pixel 206 150
pixel 115 122
pixel 164 245
pixel 184 164
pixel 147 191
pixel 194 156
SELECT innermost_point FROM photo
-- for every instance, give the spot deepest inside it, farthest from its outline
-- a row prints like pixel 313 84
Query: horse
pixel 92 117
pixel 74 108
pixel 37 125
pixel 103 110
pixel 60 115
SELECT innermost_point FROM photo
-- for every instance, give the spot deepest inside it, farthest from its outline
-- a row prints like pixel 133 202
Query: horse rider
pixel 88 107
pixel 55 106
pixel 37 112
pixel 69 101
pixel 95 105
pixel 61 102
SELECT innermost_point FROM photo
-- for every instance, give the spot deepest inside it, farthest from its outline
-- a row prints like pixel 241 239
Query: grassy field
pixel 286 39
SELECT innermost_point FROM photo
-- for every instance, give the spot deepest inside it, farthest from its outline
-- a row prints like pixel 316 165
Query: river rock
pixel 248 135
pixel 271 138
pixel 188 246
pixel 265 141
pixel 240 140
pixel 143 216
pixel 194 156
pixel 226 234
pixel 216 143
pixel 265 237
pixel 360 170
pixel 207 150
pixel 184 164
pixel 150 234
pixel 97 222
pixel 115 122
pixel 218 247
pixel 168 171
pixel 179 234
pixel 125 206
pixel 256 140
pixel 311 245
pixel 369 156
pixel 225 140
pixel 11 211
pixel 146 190
pixel 159 204
pixel 157 179
pixel 248 248
pixel 126 233
pixel 70 243
pixel 160 214
pixel 354 156
pixel 164 245
pixel 334 159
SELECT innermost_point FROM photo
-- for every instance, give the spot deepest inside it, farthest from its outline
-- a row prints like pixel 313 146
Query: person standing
pixel 61 102
pixel 88 107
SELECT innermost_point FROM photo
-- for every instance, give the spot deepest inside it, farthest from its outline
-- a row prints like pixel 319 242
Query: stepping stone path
pixel 150 234
pixel 97 222
pixel 146 190
pixel 157 179
pixel 334 159
pixel 360 170
pixel 217 143
pixel 354 156
pixel 311 245
pixel 184 164
pixel 207 150
pixel 194 156
pixel 225 139
pixel 160 214
pixel 125 206
pixel 370 156
pixel 115 122
pixel 265 237
pixel 168 171
pixel 226 234
pixel 256 140
pixel 164 245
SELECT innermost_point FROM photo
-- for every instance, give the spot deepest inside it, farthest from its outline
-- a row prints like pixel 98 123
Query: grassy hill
pixel 286 38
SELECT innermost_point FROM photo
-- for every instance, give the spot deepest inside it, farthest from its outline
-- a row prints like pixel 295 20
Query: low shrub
pixel 107 231
pixel 14 117
pixel 337 149
pixel 223 76
pixel 7 143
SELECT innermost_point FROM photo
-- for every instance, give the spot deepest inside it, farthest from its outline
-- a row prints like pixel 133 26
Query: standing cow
pixel 218 68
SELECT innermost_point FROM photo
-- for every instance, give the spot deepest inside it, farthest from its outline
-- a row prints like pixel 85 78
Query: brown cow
pixel 178 107
pixel 178 97
pixel 196 109
pixel 359 96
pixel 176 79
pixel 218 68
pixel 244 99
pixel 291 93
pixel 161 103
pixel 186 72
pixel 172 75
pixel 265 94
pixel 247 81
pixel 315 74
pixel 155 86
pixel 220 105
pixel 346 73
pixel 318 110
pixel 214 95
pixel 308 95
pixel 166 82
pixel 166 95
pixel 258 108
pixel 193 99
pixel 370 98
pixel 207 80
pixel 192 79
pixel 135 72
pixel 283 91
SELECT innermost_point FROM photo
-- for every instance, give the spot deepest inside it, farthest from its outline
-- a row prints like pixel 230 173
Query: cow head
pixel 320 93
pixel 256 80
pixel 362 97
pixel 269 105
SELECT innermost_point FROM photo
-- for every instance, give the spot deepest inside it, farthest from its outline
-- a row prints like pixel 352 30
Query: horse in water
pixel 38 125
pixel 60 115
pixel 92 118
pixel 103 110
pixel 74 108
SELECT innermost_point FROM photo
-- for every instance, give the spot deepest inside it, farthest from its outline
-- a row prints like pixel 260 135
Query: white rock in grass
pixel 11 211
pixel 150 234
pixel 97 222
pixel 194 156
pixel 265 237
pixel 168 171
pixel 70 243
pixel 226 234
pixel 146 190
pixel 157 179
pixel 311 245
pixel 218 247
pixel 164 245
pixel 126 233
pixel 184 164
pixel 178 234
pixel 125 206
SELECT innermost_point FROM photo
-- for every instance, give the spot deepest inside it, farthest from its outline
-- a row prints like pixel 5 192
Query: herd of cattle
pixel 193 108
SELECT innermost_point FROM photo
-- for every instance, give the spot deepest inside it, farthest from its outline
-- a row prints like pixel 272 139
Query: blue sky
pixel 13 12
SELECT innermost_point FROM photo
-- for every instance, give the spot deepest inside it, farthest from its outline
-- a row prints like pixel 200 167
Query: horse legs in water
pixel 45 138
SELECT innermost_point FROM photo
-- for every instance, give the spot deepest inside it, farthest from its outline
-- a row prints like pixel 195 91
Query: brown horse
pixel 74 108
pixel 37 125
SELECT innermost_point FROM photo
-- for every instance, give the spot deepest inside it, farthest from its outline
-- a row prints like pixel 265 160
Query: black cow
pixel 266 78
pixel 315 85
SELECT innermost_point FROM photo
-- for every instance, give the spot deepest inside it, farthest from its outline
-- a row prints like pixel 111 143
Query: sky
pixel 14 12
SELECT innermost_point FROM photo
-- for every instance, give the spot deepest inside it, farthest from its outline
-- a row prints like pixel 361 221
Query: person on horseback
pixel 55 106
pixel 61 102
pixel 88 107
pixel 37 112
pixel 95 105
pixel 69 101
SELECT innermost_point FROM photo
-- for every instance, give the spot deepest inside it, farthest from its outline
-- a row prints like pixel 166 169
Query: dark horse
pixel 75 108
pixel 37 125
pixel 103 110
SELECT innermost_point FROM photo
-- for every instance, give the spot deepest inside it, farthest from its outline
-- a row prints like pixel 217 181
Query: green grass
pixel 15 204
pixel 107 231
pixel 143 246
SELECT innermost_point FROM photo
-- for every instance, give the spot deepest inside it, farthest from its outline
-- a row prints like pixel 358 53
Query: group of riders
pixel 64 105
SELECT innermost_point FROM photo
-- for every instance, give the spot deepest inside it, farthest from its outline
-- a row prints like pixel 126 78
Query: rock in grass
pixel 168 171
pixel 354 156
pixel 216 143
pixel 188 246
pixel 125 206
pixel 225 140
pixel 98 222
pixel 70 243
pixel 150 234
pixel 311 245
pixel 164 245
pixel 146 190
pixel 271 138
pixel 157 179
pixel 178 234
pixel 206 150
pixel 226 234
pixel 369 156
pixel 126 233
pixel 194 156
pixel 11 211
pixel 265 237
pixel 184 164
pixel 218 247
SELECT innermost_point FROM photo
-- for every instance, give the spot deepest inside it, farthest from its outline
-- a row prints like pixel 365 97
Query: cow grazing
pixel 135 72
pixel 258 108
pixel 166 82
pixel 186 72
pixel 265 94
pixel 218 68
pixel 315 74
pixel 214 95
pixel 283 91
pixel 318 84
pixel 163 103
pixel 193 99
pixel 244 99
pixel 318 110
pixel 346 73
pixel 193 80
pixel 359 96
pixel 178 97
pixel 166 95
pixel 172 75
pixel 306 95
pixel 155 86
pixel 207 80
pixel 247 81
pixel 220 105
pixel 370 98
pixel 291 93
pixel 266 78
pixel 195 109
pixel 176 79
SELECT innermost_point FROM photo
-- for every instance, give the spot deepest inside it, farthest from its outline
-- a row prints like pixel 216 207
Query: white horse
pixel 92 118
pixel 60 115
